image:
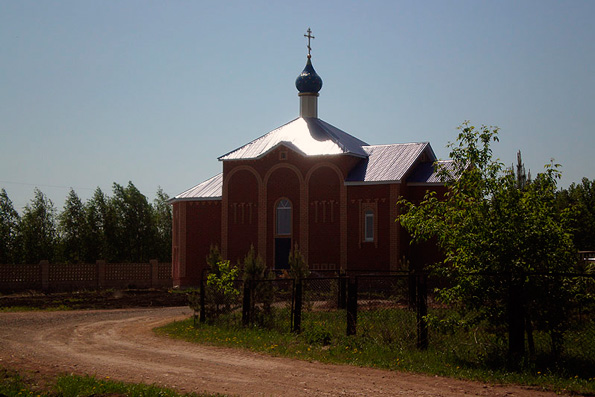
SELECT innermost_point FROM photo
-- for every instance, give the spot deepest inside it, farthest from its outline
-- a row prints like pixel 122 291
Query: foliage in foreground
pixel 13 383
pixel 319 342
pixel 493 223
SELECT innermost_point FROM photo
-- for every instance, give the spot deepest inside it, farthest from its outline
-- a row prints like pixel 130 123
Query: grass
pixel 13 383
pixel 15 309
pixel 323 339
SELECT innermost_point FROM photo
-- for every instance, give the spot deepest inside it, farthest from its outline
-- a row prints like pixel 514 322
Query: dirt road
pixel 119 344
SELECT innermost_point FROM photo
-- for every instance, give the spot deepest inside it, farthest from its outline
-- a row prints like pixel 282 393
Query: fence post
pixel 516 322
pixel 45 275
pixel 203 311
pixel 342 298
pixel 412 299
pixel 352 306
pixel 246 304
pixel 100 266
pixel 297 308
pixel 422 311
pixel 154 273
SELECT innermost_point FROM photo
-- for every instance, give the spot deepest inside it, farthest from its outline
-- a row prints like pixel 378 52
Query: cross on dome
pixel 309 36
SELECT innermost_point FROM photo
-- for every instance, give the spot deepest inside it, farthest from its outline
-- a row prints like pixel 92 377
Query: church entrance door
pixel 283 227
pixel 282 249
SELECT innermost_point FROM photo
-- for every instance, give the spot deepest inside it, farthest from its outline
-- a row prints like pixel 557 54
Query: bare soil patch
pixel 120 344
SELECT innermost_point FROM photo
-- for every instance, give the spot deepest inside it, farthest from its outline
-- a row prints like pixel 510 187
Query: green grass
pixel 18 309
pixel 16 384
pixel 457 355
pixel 15 309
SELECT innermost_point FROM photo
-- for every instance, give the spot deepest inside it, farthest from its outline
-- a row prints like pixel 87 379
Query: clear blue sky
pixel 96 92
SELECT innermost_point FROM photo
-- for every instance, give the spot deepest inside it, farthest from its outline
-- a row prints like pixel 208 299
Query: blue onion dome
pixel 308 81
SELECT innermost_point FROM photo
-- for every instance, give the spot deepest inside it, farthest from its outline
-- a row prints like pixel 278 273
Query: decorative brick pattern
pixel 132 271
pixel 66 277
pixel 20 277
pixel 72 272
pixel 164 271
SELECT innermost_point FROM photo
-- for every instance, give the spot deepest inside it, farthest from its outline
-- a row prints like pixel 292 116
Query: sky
pixel 153 92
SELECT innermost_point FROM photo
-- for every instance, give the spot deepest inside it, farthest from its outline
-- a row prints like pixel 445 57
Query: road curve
pixel 119 344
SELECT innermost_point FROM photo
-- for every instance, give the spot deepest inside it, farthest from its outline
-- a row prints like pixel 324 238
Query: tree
pixel 162 214
pixel 9 230
pixel 221 290
pixel 38 228
pixel 298 268
pixel 254 267
pixel 213 258
pixel 521 175
pixel 72 225
pixel 101 238
pixel 494 232
pixel 135 228
pixel 578 202
pixel 262 292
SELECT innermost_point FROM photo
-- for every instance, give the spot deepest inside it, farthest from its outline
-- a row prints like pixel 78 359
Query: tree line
pixel 123 227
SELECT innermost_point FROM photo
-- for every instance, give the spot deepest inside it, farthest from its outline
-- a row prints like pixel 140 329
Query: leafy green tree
pixel 9 230
pixel 221 290
pixel 38 228
pixel 135 228
pixel 578 202
pixel 162 213
pixel 72 226
pixel 100 240
pixel 494 232
pixel 211 303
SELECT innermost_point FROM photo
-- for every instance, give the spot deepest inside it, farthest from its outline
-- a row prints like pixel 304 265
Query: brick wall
pixel 196 226
pixel 327 216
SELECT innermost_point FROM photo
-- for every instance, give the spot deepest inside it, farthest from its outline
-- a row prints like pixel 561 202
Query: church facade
pixel 306 183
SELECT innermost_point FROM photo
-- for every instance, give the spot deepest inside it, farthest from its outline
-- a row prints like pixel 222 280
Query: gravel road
pixel 119 344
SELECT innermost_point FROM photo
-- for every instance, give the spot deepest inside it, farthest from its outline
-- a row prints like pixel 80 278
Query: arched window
pixel 283 217
pixel 369 225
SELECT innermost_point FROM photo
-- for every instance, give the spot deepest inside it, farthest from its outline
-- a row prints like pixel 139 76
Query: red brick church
pixel 306 182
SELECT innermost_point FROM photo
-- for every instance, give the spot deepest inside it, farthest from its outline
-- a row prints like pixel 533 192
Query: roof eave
pixel 361 183
pixel 426 184
pixel 177 200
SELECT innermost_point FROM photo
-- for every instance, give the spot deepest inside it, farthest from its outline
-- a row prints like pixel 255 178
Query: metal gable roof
pixel 211 189
pixel 310 136
pixel 389 162
pixel 427 173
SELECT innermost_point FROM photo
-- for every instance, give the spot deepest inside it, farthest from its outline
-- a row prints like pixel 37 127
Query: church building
pixel 306 183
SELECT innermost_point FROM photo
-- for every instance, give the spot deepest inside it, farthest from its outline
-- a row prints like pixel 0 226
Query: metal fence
pixel 401 311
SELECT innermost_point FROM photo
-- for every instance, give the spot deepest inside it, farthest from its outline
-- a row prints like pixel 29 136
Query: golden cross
pixel 309 36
